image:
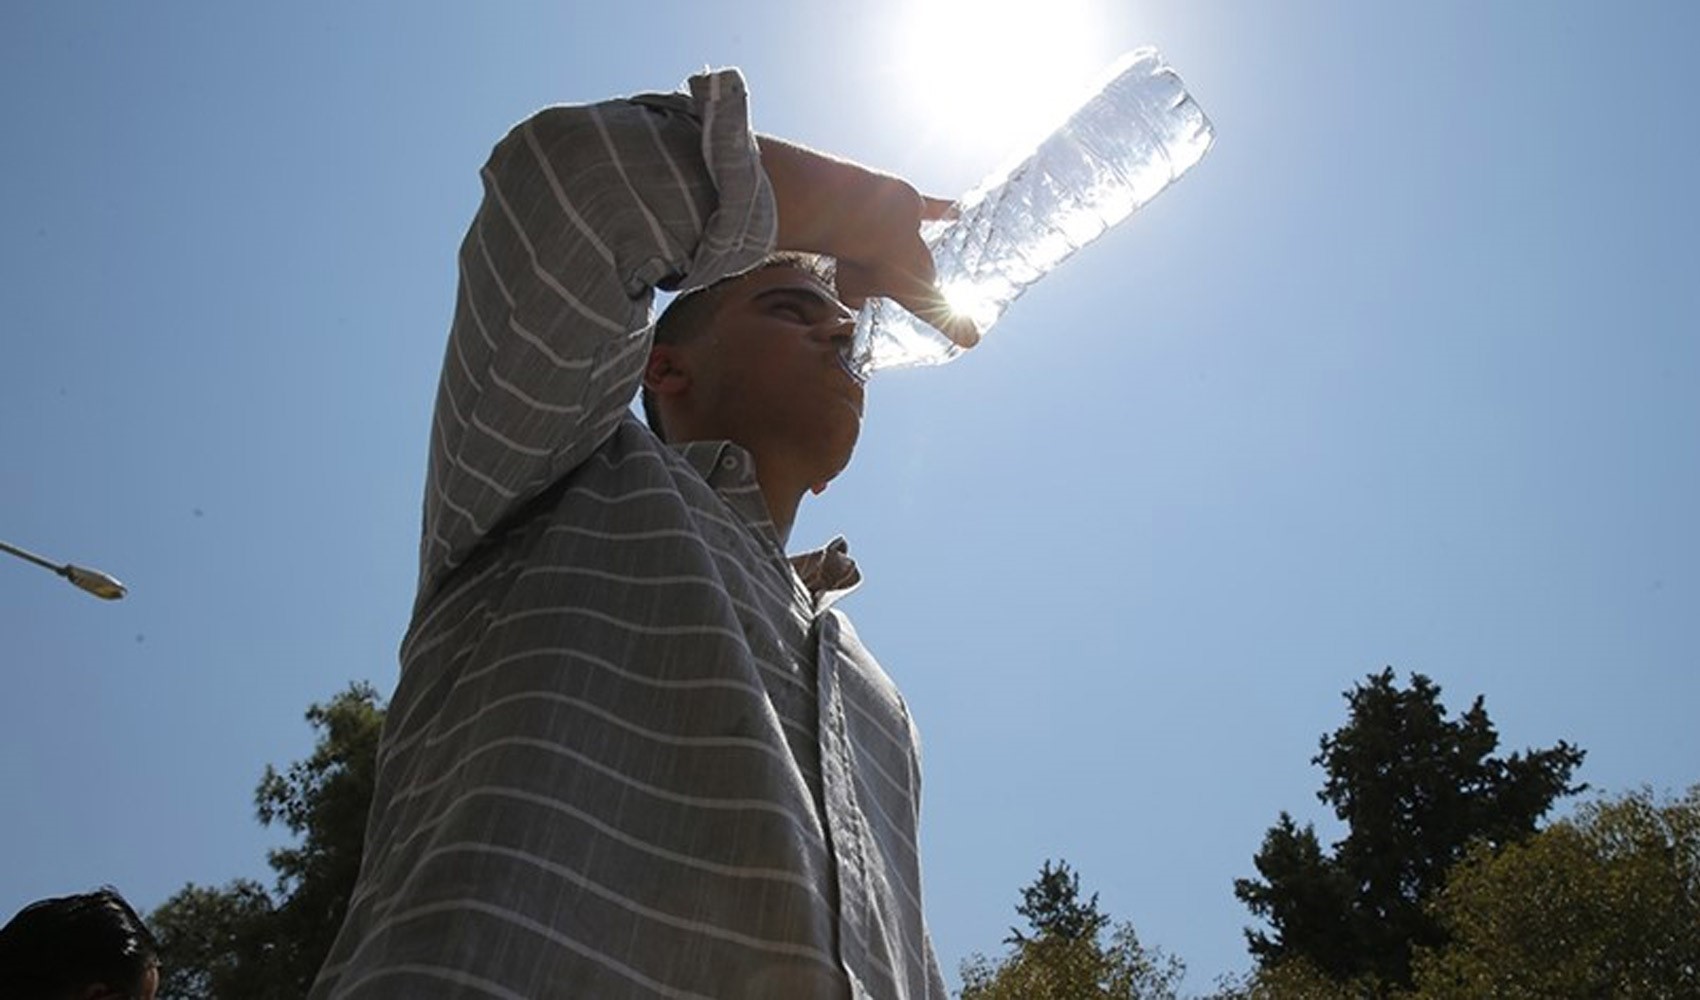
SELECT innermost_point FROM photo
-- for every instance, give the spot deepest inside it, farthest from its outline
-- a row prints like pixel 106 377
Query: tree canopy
pixel 1605 903
pixel 1416 790
pixel 1053 907
pixel 1064 955
pixel 243 941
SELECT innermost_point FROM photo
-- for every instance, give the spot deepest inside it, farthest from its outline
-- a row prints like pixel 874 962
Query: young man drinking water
pixel 635 751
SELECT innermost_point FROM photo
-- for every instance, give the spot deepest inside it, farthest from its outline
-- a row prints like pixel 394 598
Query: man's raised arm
pixel 586 210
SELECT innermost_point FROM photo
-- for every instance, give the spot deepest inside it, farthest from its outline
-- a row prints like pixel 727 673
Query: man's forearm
pixel 810 190
pixel 868 220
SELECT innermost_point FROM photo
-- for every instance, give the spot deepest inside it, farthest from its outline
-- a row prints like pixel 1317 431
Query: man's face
pixel 769 371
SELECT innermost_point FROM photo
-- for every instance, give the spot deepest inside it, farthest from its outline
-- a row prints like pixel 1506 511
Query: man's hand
pixel 870 222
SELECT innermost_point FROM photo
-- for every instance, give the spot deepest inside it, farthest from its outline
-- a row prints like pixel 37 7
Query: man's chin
pixel 840 456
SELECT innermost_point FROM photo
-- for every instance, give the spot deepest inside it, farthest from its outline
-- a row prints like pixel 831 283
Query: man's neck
pixel 783 494
pixel 782 482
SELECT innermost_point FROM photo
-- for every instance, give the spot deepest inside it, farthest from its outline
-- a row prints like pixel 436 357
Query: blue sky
pixel 1402 374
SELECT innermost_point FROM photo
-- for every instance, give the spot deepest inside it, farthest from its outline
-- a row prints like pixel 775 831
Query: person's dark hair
pixel 691 312
pixel 59 947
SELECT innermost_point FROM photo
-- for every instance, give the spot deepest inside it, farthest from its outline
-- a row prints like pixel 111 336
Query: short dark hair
pixel 59 947
pixel 689 313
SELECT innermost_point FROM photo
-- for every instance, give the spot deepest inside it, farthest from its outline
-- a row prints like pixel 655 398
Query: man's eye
pixel 793 311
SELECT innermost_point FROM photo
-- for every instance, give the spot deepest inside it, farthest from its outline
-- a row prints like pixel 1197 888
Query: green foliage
pixel 1606 904
pixel 1053 907
pixel 1305 895
pixel 323 800
pixel 1296 979
pixel 1065 956
pixel 213 942
pixel 1416 791
pixel 241 941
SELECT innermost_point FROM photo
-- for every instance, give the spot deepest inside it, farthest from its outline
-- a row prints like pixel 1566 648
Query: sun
pixel 992 77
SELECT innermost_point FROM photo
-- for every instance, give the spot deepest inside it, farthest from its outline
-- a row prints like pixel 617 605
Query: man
pixel 634 752
pixel 86 947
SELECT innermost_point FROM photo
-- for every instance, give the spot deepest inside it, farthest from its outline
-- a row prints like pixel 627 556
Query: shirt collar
pixel 705 457
pixel 731 472
pixel 828 572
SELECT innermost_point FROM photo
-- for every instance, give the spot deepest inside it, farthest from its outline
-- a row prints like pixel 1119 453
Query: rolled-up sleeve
pixel 586 210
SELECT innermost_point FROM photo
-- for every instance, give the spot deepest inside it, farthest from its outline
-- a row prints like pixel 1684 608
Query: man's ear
pixel 665 373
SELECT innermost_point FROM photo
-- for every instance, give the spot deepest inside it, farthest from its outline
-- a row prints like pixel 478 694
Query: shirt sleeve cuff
pixel 744 225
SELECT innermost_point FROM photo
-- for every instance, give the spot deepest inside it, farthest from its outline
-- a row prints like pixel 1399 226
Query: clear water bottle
pixel 1128 141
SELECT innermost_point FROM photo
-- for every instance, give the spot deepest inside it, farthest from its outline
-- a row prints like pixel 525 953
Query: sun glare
pixel 977 303
pixel 992 77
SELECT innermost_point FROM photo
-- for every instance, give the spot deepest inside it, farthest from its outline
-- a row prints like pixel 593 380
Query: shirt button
pixel 729 463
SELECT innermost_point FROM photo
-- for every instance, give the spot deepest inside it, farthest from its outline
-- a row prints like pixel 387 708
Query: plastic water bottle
pixel 1129 141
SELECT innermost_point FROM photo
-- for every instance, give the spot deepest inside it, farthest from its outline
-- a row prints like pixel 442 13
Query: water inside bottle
pixel 1115 152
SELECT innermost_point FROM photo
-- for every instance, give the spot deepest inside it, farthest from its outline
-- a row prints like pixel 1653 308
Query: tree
pixel 1065 957
pixel 215 942
pixel 1053 908
pixel 241 941
pixel 1293 979
pixel 1416 790
pixel 1606 903
pixel 324 801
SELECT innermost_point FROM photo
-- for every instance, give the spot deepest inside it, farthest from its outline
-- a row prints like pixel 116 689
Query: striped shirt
pixel 634 750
